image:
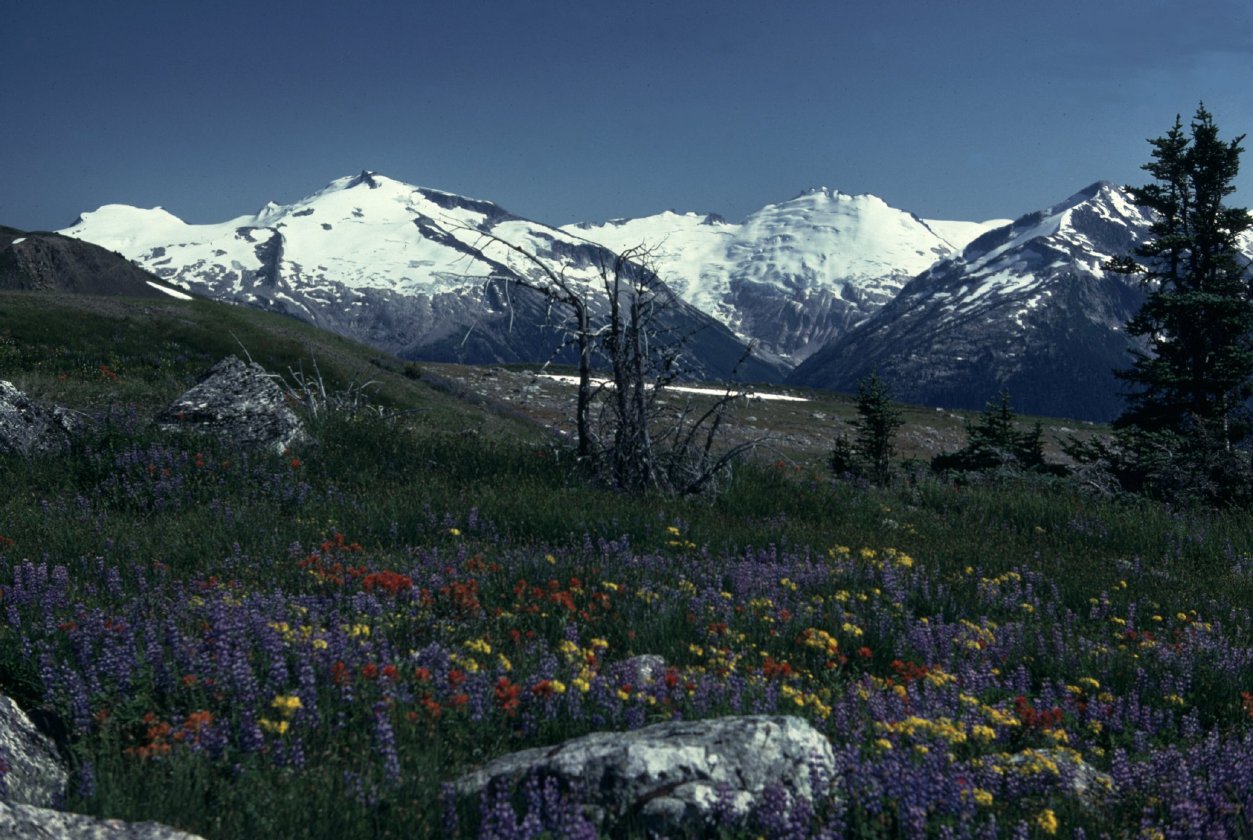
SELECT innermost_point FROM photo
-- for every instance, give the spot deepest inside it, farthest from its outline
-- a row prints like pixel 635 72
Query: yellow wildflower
pixel 1047 821
pixel 287 704
pixel 983 732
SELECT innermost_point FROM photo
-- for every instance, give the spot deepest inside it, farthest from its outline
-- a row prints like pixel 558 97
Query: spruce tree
pixel 869 454
pixel 1198 319
pixel 875 426
pixel 994 442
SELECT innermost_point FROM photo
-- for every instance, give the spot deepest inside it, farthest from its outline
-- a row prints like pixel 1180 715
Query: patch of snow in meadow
pixel 686 389
pixel 171 292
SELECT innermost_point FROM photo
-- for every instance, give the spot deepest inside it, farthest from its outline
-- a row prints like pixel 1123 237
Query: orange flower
pixel 507 695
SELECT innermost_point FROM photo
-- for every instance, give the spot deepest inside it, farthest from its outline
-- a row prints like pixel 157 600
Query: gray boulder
pixel 26 822
pixel 31 771
pixel 673 775
pixel 239 403
pixel 27 428
pixel 1090 787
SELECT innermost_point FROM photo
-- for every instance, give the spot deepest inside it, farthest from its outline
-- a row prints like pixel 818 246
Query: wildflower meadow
pixel 317 644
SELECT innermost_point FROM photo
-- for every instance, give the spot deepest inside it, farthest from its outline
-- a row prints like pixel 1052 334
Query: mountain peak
pixel 366 178
pixel 1098 189
pixel 832 194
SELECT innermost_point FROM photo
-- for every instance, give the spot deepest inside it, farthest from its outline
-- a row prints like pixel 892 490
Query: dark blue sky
pixel 582 111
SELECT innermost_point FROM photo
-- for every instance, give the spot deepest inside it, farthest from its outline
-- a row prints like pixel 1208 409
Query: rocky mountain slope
pixel 793 275
pixel 1027 307
pixel 50 262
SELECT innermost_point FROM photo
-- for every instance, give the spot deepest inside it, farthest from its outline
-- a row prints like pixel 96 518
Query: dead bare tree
pixel 560 290
pixel 641 441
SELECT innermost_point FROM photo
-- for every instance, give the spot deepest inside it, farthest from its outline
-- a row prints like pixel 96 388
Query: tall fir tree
pixel 1197 377
pixel 871 452
pixel 876 424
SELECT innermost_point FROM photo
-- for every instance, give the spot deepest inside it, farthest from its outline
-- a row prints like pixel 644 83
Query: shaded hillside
pixel 1027 307
pixel 52 262
pixel 88 351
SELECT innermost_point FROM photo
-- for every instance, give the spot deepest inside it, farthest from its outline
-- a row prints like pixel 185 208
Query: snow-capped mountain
pixel 793 275
pixel 410 270
pixel 1027 307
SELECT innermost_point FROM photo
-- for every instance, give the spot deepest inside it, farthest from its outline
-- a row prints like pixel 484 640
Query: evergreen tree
pixel 1198 318
pixel 994 441
pixel 876 425
pixel 1187 411
pixel 871 451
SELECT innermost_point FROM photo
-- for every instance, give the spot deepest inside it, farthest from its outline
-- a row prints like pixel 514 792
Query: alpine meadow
pixel 430 612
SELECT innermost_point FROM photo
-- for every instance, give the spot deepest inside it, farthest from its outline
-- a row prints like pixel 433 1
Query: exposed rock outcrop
pixel 28 428
pixel 26 822
pixel 1091 787
pixel 675 776
pixel 49 262
pixel 31 771
pixel 239 403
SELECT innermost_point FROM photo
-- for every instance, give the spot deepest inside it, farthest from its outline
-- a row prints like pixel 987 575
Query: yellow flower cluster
pixel 478 646
pixel 820 640
pixel 802 699
pixel 278 727
pixel 286 705
pixel 303 633
pixel 1047 821
pixel 944 728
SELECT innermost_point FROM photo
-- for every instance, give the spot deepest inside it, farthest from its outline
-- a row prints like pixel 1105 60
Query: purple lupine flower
pixel 86 780
pixel 385 741
pixel 448 806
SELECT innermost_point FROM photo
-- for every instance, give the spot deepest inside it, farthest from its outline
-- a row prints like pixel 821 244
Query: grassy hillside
pixel 309 645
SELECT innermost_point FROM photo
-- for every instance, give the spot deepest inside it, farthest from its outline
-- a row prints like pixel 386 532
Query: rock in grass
pixel 26 822
pixel 27 428
pixel 31 771
pixel 1091 787
pixel 675 776
pixel 238 403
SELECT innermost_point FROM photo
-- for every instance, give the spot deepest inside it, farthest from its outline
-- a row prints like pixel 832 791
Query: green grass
pixel 445 487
